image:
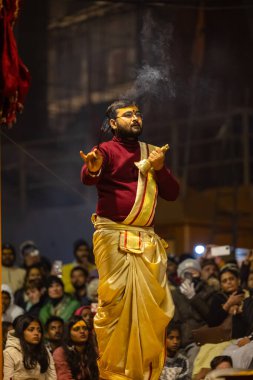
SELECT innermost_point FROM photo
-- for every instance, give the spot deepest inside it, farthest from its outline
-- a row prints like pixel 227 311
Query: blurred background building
pixel 188 63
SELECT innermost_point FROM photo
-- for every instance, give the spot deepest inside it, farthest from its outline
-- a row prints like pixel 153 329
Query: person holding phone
pixel 229 301
pixel 192 301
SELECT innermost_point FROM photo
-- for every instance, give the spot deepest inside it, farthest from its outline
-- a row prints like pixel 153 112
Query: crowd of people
pixel 48 311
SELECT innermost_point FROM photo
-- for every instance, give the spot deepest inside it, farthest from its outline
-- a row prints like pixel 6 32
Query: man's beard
pixel 132 133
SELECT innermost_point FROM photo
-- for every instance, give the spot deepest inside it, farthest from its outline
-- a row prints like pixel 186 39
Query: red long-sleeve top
pixel 117 183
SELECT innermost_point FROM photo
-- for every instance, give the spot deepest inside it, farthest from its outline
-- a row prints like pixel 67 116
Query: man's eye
pixel 128 114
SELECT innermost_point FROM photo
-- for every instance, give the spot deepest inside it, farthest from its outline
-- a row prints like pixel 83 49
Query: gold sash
pixel 143 210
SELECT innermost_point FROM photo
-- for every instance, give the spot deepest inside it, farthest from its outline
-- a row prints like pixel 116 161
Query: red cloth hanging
pixel 14 75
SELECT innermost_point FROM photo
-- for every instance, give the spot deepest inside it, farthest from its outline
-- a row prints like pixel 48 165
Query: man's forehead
pixel 129 108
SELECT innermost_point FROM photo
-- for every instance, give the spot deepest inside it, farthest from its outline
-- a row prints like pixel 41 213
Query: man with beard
pixel 79 276
pixel 54 327
pixel 135 304
pixel 11 275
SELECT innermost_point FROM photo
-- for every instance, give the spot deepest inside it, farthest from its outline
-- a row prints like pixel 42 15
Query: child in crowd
pixel 54 332
pixel 176 364
pixel 76 358
pixel 221 362
pixel 25 355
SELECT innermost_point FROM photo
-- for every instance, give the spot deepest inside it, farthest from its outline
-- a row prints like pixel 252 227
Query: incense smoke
pixel 153 79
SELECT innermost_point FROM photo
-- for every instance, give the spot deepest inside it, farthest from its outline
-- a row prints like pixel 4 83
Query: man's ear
pixel 113 124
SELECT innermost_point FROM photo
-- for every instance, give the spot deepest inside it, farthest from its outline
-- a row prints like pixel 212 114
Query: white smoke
pixel 154 78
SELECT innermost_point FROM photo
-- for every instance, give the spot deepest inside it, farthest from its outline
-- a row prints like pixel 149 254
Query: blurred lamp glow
pixel 199 249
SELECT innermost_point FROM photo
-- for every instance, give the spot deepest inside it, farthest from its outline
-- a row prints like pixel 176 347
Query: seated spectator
pixel 249 284
pixel 86 313
pixel 79 276
pixel 176 364
pixel 31 255
pixel 6 327
pixel 246 268
pixel 76 358
pixel 59 303
pixel 210 273
pixel 34 272
pixel 92 291
pixel 82 257
pixel 172 276
pixel 54 332
pixel 35 293
pixel 25 355
pixel 9 310
pixel 241 352
pixel 221 362
pixel 192 301
pixel 229 301
pixel 11 275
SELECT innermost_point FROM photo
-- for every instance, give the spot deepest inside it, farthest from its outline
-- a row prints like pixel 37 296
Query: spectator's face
pixel 79 332
pixel 88 317
pixel 8 257
pixel 173 341
pixel 223 365
pixel 33 334
pixel 229 282
pixel 78 279
pixel 250 281
pixel 171 267
pixel 33 295
pixel 209 271
pixel 55 290
pixel 82 255
pixel 6 301
pixel 30 259
pixel 34 274
pixel 55 331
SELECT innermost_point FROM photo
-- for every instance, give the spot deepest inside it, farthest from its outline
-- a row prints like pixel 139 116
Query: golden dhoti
pixel 135 305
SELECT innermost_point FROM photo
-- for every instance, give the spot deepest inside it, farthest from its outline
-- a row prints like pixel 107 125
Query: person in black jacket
pixel 229 301
pixel 192 301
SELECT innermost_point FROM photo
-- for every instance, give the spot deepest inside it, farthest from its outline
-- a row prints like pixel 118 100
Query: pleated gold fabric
pixel 135 304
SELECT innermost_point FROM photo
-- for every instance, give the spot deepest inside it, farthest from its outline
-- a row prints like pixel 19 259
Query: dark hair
pixel 232 268
pixel 34 266
pixel 111 112
pixel 86 359
pixel 34 284
pixel 54 280
pixel 220 359
pixel 54 318
pixel 82 269
pixel 78 243
pixel 173 326
pixel 32 354
pixel 9 246
pixel 5 328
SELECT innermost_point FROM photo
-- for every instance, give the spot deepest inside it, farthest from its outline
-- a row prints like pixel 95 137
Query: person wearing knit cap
pixel 189 266
pixel 210 273
pixel 59 303
pixel 192 302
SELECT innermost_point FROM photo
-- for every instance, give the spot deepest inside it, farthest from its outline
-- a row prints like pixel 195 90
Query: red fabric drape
pixel 14 75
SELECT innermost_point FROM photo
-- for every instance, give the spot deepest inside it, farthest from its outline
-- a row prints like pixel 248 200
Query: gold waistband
pixel 107 224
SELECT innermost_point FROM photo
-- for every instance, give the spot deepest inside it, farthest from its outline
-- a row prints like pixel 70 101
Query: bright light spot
pixel 199 249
